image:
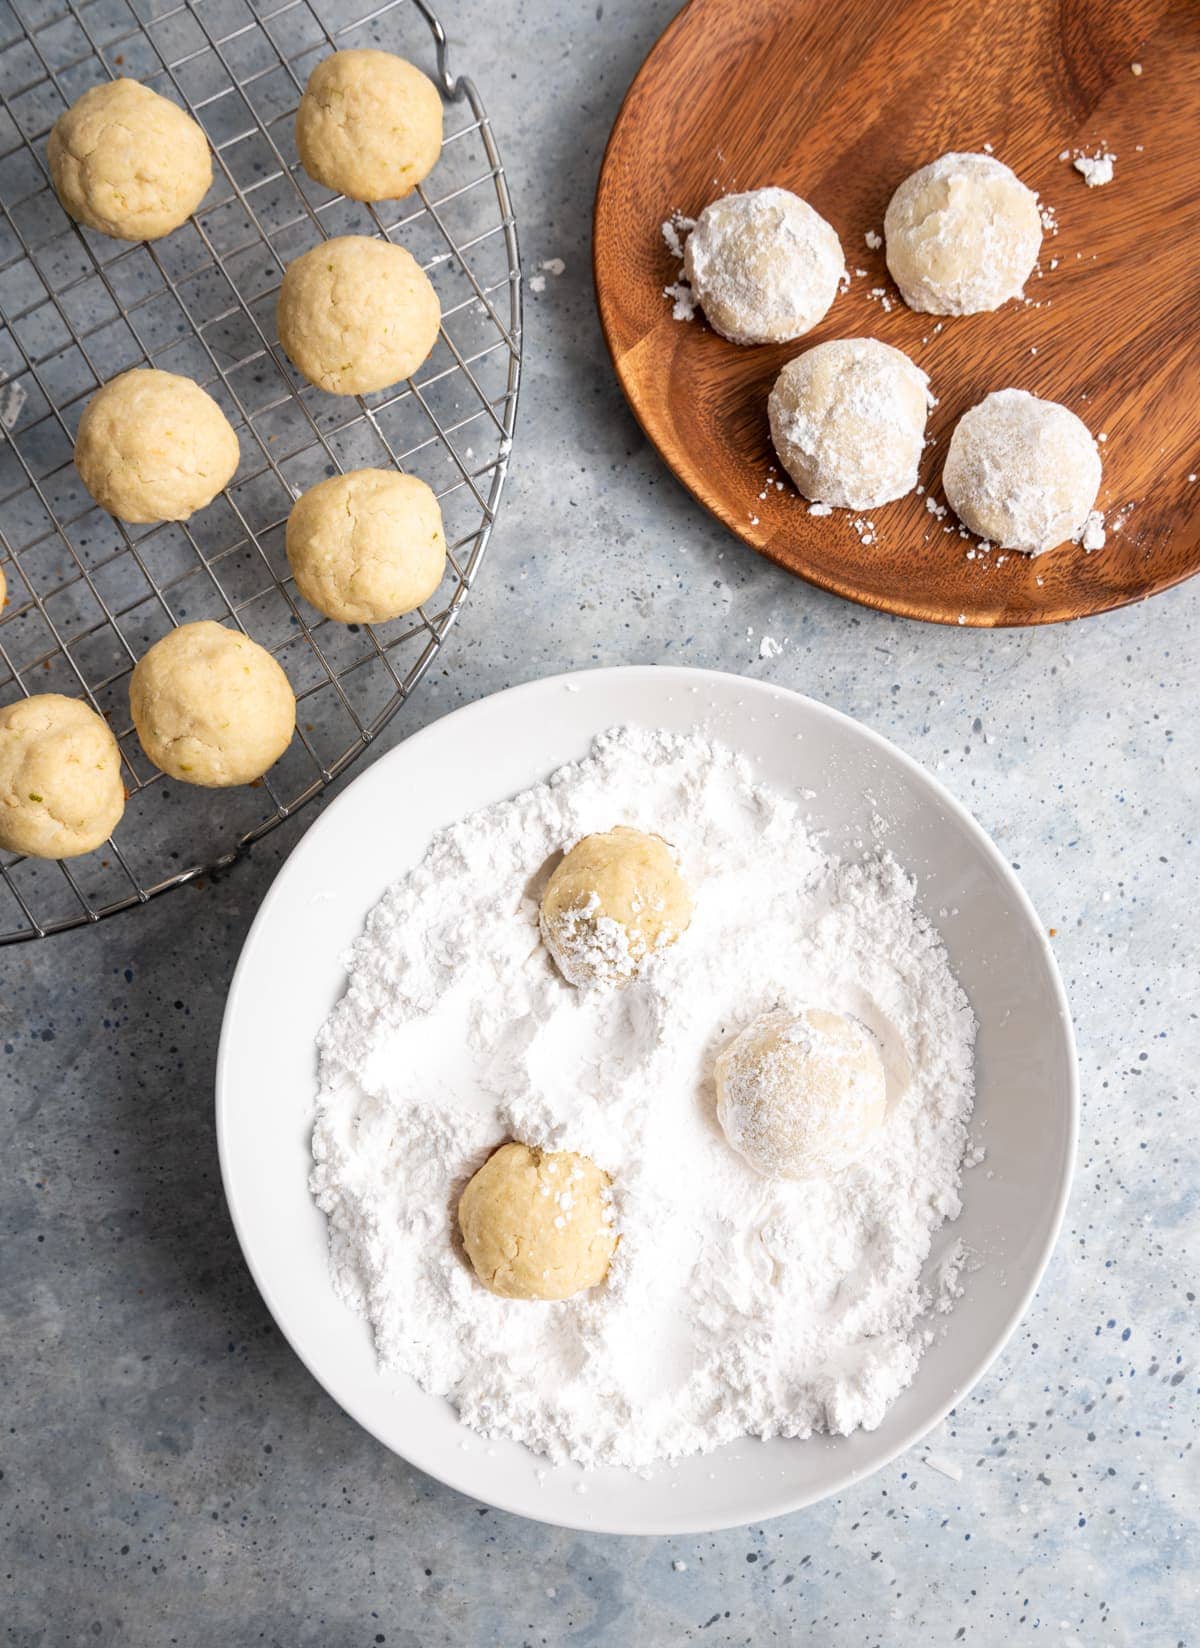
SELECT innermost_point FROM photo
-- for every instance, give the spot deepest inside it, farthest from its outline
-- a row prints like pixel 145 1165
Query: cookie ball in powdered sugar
pixel 801 1095
pixel 1022 472
pixel 764 265
pixel 848 422
pixel 963 235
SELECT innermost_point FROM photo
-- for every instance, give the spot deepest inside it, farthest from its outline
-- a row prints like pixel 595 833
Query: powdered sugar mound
pixel 1096 170
pixel 1093 535
pixel 734 1304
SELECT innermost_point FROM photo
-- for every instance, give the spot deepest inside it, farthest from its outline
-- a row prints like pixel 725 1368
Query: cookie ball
pixel 1022 472
pixel 211 706
pixel 369 125
pixel 538 1224
pixel 615 899
pixel 764 265
pixel 127 162
pixel 801 1095
pixel 848 422
pixel 963 235
pixel 3 589
pixel 356 315
pixel 60 777
pixel 367 546
pixel 154 447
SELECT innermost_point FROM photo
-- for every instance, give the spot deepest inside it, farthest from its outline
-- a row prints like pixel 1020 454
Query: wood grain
pixel 839 101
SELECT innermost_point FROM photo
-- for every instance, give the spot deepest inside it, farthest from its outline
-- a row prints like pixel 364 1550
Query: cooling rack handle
pixel 449 82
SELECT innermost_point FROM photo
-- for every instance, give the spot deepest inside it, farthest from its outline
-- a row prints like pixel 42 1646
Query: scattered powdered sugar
pixel 735 1305
pixel 873 239
pixel 675 230
pixel 1095 169
pixel 1093 535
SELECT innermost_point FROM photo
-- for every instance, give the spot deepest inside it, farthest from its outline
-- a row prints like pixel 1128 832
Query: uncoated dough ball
pixel 60 777
pixel 357 315
pixel 538 1224
pixel 848 422
pixel 963 235
pixel 801 1095
pixel 154 447
pixel 369 125
pixel 764 265
pixel 211 706
pixel 1021 472
pixel 616 898
pixel 128 162
pixel 3 589
pixel 367 546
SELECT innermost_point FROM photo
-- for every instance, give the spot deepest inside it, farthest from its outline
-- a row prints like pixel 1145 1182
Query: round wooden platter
pixel 839 100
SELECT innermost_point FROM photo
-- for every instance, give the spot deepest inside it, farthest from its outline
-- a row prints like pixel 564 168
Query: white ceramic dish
pixel 291 973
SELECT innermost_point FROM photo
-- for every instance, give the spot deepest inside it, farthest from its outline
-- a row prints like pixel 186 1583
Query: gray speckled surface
pixel 171 1474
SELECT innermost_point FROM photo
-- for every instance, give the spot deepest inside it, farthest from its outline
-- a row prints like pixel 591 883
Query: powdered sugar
pixel 734 1304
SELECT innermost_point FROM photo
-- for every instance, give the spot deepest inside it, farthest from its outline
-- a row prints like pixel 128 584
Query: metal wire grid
pixel 87 594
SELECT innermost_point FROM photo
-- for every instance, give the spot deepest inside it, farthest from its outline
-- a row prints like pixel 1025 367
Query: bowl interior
pixel 291 972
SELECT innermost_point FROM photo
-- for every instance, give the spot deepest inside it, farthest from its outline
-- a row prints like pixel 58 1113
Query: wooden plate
pixel 839 100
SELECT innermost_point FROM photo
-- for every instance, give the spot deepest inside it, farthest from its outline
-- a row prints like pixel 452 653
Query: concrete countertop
pixel 171 1474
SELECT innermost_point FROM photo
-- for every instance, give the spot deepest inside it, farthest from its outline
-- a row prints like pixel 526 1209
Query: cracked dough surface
pixel 369 125
pixel 963 235
pixel 128 162
pixel 537 1224
pixel 367 546
pixel 357 314
pixel 848 422
pixel 154 447
pixel 60 777
pixel 211 706
pixel 1022 472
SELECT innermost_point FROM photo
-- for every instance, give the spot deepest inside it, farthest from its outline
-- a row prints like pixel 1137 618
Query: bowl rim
pixel 687 676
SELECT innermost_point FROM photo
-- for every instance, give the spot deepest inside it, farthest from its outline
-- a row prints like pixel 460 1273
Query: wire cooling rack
pixel 86 594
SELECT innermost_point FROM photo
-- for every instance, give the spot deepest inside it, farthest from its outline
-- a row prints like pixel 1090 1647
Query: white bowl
pixel 290 974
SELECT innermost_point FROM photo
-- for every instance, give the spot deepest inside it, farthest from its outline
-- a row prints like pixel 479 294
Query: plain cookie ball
pixel 538 1224
pixel 154 447
pixel 128 162
pixel 801 1095
pixel 60 777
pixel 764 265
pixel 369 125
pixel 367 546
pixel 211 706
pixel 3 589
pixel 356 315
pixel 848 422
pixel 1022 472
pixel 615 899
pixel 963 235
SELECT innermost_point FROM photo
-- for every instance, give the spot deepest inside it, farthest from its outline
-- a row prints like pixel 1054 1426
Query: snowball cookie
pixel 154 447
pixel 369 125
pixel 357 315
pixel 538 1224
pixel 615 899
pixel 1021 472
pixel 800 1095
pixel 764 265
pixel 848 422
pixel 60 777
pixel 211 706
pixel 127 162
pixel 367 546
pixel 963 235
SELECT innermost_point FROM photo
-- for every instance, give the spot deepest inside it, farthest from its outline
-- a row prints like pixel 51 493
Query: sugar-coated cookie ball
pixel 211 706
pixel 848 422
pixel 801 1095
pixel 1022 472
pixel 764 265
pixel 963 235
pixel 369 125
pixel 538 1224
pixel 128 162
pixel 60 777
pixel 367 546
pixel 356 314
pixel 154 447
pixel 615 899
